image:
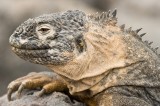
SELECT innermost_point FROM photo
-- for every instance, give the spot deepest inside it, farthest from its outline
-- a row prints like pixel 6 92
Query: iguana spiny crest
pixel 106 17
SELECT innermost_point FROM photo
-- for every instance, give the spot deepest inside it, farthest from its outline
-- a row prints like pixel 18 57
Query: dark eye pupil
pixel 44 29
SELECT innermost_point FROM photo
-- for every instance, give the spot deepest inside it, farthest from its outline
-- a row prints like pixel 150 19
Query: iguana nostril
pixel 19 30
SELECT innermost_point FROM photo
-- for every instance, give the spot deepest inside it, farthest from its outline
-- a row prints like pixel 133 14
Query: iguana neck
pixel 90 67
pixel 83 66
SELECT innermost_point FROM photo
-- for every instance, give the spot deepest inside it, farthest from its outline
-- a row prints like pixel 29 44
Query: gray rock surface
pixel 29 98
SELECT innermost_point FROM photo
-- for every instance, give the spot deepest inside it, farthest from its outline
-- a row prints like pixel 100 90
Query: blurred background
pixel 136 13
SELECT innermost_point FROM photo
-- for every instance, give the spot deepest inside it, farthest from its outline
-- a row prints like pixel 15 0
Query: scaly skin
pixel 99 62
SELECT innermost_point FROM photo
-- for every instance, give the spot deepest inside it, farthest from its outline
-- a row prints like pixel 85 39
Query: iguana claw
pixel 49 82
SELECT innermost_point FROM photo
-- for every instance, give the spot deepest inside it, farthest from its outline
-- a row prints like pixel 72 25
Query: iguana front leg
pixel 48 81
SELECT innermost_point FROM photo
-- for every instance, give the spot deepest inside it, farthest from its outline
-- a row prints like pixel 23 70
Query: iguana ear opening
pixel 80 44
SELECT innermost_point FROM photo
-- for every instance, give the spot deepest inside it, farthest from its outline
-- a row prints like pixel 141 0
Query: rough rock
pixel 28 98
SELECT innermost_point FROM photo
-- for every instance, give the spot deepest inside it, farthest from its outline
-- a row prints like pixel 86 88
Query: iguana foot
pixel 48 81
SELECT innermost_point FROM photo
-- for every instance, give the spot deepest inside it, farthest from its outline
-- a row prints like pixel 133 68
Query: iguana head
pixel 51 38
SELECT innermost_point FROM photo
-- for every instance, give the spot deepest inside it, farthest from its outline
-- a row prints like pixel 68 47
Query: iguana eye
pixel 45 29
pixel 80 43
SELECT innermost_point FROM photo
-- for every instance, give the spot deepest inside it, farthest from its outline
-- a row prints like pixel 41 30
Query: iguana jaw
pixel 42 56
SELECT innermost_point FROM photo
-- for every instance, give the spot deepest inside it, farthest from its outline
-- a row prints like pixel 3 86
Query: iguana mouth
pixel 31 53
pixel 42 56
pixel 30 46
pixel 30 49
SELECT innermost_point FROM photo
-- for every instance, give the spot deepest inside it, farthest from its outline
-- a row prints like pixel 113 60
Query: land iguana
pixel 96 60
